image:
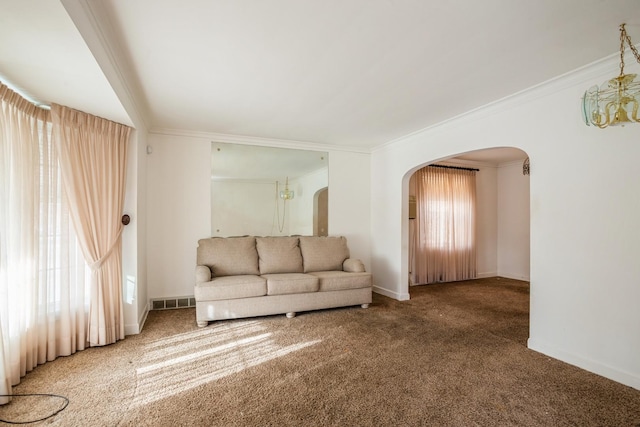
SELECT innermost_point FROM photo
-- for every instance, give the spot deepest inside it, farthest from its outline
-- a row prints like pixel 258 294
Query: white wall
pixel 141 221
pixel 178 211
pixel 584 209
pixel 130 240
pixel 513 222
pixel 350 202
pixel 487 221
pixel 134 267
pixel 179 208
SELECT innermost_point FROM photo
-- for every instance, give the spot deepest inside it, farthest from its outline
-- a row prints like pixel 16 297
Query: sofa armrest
pixel 203 274
pixel 352 265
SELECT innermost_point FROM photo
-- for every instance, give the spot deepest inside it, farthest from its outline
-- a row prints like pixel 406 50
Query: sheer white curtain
pixel 445 225
pixel 93 158
pixel 43 303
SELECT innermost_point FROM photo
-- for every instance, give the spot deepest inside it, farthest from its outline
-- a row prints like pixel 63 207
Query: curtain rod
pixel 454 167
pixel 24 95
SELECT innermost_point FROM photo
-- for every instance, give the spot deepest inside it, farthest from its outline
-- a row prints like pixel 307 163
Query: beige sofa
pixel 256 276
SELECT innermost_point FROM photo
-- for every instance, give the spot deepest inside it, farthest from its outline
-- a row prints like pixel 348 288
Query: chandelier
pixel 286 194
pixel 615 102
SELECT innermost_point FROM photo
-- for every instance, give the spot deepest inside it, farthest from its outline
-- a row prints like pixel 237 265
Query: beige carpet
pixel 455 355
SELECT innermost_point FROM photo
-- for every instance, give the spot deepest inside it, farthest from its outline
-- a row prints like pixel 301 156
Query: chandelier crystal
pixel 615 102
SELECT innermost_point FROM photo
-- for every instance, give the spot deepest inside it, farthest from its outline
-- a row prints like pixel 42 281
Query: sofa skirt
pixel 279 304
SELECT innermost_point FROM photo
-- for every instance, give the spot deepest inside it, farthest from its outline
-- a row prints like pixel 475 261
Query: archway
pixel 321 212
pixel 503 221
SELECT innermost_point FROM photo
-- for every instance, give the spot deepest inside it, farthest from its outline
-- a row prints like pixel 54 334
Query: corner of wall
pixel 134 329
pixel 623 377
pixel 391 294
pixel 487 274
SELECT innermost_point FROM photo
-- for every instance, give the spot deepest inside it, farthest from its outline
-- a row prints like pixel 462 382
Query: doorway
pixel 502 214
pixel 321 212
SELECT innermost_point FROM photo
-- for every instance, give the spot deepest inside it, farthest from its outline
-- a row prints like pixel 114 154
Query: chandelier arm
pixel 610 107
pixel 603 119
pixel 634 112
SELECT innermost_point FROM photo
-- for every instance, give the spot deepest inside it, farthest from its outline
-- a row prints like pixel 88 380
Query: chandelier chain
pixel 624 37
pixel 633 48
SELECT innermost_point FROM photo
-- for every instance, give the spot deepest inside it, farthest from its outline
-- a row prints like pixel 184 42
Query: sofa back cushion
pixel 323 253
pixel 229 256
pixel 279 255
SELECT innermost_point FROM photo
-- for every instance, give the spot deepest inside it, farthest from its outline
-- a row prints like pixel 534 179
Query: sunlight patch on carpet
pixel 185 361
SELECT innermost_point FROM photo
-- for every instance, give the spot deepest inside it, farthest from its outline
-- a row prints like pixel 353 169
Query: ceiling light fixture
pixel 286 194
pixel 526 167
pixel 615 102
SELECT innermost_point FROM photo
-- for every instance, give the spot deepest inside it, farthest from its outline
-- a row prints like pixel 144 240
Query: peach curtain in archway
pixel 93 159
pixel 444 249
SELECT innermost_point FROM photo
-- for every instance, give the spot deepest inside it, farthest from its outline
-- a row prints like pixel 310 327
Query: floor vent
pixel 169 303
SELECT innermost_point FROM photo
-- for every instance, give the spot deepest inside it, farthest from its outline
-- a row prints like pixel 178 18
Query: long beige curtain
pixel 93 158
pixel 444 249
pixel 43 303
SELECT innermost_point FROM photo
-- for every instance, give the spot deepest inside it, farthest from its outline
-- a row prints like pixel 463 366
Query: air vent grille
pixel 170 303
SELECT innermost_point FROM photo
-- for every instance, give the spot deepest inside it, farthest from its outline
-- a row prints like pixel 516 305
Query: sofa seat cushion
pixel 229 256
pixel 323 253
pixel 340 280
pixel 231 287
pixel 290 283
pixel 279 255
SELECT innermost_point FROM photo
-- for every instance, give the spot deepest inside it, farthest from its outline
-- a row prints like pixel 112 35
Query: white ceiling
pixel 354 73
pixel 494 156
pixel 43 55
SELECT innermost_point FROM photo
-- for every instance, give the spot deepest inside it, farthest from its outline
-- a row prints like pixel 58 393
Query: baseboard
pixel 137 328
pixel 502 274
pixel 143 318
pixel 514 276
pixel 391 294
pixel 485 275
pixel 603 370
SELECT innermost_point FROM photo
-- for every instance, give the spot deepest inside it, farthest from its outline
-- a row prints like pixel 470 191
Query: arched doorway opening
pixel 321 212
pixel 502 214
pixel 502 190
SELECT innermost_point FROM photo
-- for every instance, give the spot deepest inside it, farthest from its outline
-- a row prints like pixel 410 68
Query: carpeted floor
pixel 454 355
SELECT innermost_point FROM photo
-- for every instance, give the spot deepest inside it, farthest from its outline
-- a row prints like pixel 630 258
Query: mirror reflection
pixel 266 191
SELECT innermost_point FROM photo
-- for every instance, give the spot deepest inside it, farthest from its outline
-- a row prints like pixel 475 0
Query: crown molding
pixel 600 69
pixel 256 140
pixel 91 20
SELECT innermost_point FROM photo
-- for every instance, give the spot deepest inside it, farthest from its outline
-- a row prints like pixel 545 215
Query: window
pixel 444 233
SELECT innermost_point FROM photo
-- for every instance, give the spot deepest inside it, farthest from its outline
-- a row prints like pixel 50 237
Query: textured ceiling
pixel 352 74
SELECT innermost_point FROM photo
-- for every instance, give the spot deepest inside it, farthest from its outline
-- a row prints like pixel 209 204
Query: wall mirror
pixel 267 191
